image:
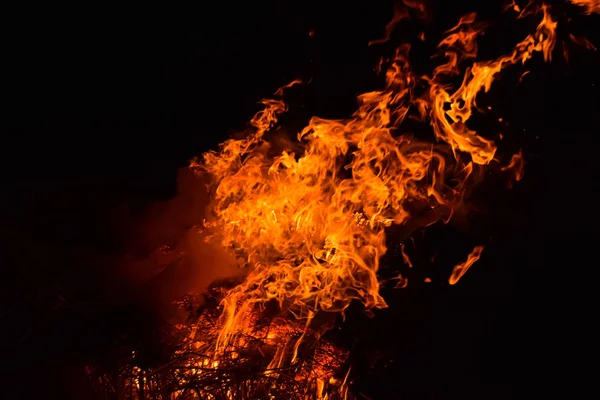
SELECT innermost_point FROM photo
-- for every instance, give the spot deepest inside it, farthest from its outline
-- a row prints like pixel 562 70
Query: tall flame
pixel 310 225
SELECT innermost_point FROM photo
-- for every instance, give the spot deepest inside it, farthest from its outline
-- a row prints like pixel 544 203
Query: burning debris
pixel 276 357
pixel 308 223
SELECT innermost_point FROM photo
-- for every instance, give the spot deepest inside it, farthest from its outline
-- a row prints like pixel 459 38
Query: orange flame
pixel 516 166
pixel 451 125
pixel 310 224
pixel 462 268
pixel 405 256
pixel 589 6
pixel 401 12
pixel 308 220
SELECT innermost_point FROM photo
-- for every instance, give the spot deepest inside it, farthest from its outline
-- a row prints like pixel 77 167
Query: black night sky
pixel 104 104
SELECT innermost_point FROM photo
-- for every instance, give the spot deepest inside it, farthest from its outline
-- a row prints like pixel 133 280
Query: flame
pixel 401 11
pixel 310 224
pixel 581 41
pixel 462 268
pixel 589 6
pixel 460 44
pixel 308 220
pixel 405 256
pixel 516 166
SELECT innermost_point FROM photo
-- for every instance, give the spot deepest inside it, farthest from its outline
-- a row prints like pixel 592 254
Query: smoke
pixel 169 253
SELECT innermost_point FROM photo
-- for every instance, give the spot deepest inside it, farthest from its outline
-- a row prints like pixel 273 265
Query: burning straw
pixel 245 370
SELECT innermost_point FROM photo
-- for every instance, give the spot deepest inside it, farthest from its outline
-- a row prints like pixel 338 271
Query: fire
pixel 310 225
pixel 462 268
pixel 590 6
pixel 308 220
pixel 516 165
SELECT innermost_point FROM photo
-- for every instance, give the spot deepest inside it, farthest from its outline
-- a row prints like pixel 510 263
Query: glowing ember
pixel 269 360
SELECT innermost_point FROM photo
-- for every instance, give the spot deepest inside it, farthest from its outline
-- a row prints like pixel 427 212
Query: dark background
pixel 104 104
